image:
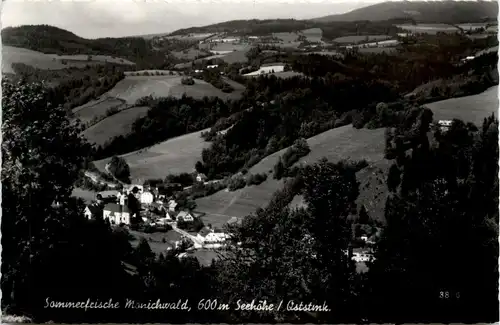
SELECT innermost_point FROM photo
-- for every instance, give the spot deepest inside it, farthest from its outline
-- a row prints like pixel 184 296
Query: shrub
pixel 236 182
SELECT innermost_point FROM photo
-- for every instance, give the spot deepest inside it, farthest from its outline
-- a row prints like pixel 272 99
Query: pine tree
pixel 279 169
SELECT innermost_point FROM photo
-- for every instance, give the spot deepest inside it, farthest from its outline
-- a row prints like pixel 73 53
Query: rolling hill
pixel 36 59
pixel 53 40
pixel 344 142
pixel 421 11
pixel 174 156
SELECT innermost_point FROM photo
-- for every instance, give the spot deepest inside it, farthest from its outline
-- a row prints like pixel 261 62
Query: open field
pixel 114 125
pixel 265 70
pixel 132 88
pixel 472 26
pixel 488 50
pixel 41 60
pixel 96 108
pixel 174 156
pixel 429 28
pixel 236 56
pixel 93 58
pixel 469 108
pixel 378 50
pixel 190 54
pixel 287 37
pixel 313 34
pixel 360 38
pixel 224 47
pixel 36 59
pixel 161 72
pixel 190 37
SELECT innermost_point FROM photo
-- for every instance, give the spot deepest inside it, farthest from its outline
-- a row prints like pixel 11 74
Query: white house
pixel 208 236
pixel 116 213
pixel 146 198
pixel 186 216
pixel 201 177
pixel 172 205
pixel 91 210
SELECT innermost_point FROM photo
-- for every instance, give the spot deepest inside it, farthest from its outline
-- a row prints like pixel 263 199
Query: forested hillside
pixel 451 12
pixel 50 39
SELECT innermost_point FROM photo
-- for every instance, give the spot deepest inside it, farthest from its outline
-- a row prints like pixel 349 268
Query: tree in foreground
pixel 437 258
pixel 46 249
pixel 296 254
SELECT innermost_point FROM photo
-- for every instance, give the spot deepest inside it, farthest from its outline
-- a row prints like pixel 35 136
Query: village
pixel 159 213
pixel 144 209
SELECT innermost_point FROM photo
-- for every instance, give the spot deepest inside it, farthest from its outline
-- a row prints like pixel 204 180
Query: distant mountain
pixel 422 11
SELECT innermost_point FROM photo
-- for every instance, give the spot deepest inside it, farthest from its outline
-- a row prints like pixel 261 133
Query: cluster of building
pixel 155 209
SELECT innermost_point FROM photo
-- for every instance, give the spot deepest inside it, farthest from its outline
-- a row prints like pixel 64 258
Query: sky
pixel 118 18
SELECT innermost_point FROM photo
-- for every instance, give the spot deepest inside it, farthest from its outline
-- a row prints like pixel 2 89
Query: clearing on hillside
pixel 360 38
pixel 336 144
pixel 174 156
pixel 11 54
pixel 114 125
pixel 429 28
pixel 36 59
pixel 376 50
pixel 92 58
pixel 314 35
pixel 191 54
pixel 132 88
pixel 340 143
pixel 95 108
pixel 469 108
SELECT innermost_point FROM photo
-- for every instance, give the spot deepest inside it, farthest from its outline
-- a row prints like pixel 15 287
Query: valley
pixel 349 159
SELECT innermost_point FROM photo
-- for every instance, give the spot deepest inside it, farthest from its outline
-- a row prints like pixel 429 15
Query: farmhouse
pixel 186 216
pixel 116 213
pixel 92 211
pixel 209 236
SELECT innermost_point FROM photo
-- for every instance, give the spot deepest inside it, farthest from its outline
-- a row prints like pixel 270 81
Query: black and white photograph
pixel 249 162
